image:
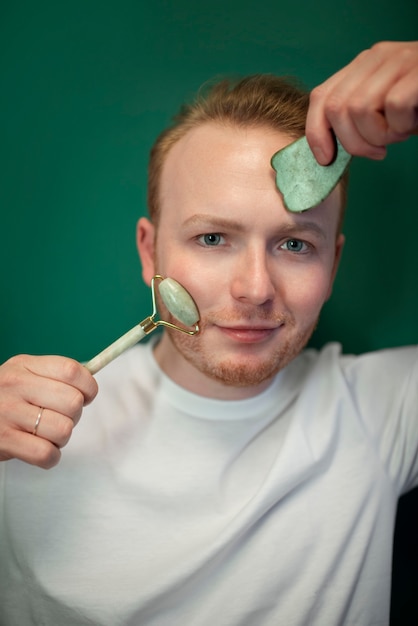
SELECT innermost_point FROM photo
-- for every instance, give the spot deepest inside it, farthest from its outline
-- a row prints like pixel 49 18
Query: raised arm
pixel 369 104
pixel 41 400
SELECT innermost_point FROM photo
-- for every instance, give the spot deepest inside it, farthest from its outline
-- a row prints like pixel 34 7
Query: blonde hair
pixel 278 103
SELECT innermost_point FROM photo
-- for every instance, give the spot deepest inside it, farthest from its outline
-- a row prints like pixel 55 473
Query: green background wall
pixel 85 88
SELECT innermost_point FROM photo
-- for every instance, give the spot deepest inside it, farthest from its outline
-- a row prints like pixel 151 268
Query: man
pixel 230 477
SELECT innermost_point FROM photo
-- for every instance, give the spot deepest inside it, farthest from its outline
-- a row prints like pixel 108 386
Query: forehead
pixel 224 169
pixel 214 141
pixel 212 151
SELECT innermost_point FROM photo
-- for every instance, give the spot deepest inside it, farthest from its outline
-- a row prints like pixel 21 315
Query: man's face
pixel 258 273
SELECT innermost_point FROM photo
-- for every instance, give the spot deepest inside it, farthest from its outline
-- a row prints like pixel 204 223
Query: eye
pixel 294 245
pixel 211 239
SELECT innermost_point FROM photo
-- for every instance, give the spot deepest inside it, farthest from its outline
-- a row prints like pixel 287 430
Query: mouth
pixel 249 334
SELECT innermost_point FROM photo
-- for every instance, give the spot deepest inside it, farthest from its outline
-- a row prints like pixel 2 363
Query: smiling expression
pixel 258 273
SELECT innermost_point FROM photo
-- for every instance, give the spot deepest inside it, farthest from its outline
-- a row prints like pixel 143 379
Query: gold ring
pixel 38 419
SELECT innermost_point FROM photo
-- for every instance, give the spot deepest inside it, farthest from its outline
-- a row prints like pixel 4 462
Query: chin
pixel 249 370
pixel 234 375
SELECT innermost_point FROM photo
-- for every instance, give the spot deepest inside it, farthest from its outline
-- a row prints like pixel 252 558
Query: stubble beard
pixel 239 372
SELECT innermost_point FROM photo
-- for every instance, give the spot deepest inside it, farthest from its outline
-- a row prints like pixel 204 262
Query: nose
pixel 252 281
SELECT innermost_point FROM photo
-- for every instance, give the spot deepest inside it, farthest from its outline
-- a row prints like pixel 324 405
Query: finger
pixel 318 128
pixel 328 105
pixel 401 105
pixel 371 100
pixel 49 425
pixel 58 398
pixel 362 132
pixel 343 122
pixel 24 417
pixel 354 108
pixel 15 444
pixel 22 389
pixel 319 136
pixel 353 141
pixel 65 370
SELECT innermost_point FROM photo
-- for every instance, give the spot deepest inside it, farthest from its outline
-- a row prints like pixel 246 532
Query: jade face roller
pixel 179 303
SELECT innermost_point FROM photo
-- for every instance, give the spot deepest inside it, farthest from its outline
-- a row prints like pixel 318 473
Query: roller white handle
pixel 116 348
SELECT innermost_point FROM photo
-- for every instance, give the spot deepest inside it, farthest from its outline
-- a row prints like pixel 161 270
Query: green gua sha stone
pixel 303 182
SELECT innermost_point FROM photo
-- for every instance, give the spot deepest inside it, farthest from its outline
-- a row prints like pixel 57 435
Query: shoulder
pixel 385 369
pixel 375 384
pixel 398 362
pixel 373 397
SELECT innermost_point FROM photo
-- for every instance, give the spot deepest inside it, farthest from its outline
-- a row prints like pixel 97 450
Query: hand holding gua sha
pixel 303 182
pixel 179 303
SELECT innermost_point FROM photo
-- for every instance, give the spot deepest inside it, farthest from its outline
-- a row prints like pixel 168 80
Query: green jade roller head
pixel 303 182
pixel 178 302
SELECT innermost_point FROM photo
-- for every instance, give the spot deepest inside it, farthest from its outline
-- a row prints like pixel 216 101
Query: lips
pixel 248 334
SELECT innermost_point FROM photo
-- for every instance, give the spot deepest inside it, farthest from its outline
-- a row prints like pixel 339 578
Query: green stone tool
pixel 303 182
pixel 179 303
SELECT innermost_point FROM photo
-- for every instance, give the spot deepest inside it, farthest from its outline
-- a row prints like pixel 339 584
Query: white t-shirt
pixel 168 508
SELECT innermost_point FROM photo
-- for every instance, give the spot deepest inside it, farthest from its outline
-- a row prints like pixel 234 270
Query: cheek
pixel 176 267
pixel 203 280
pixel 306 294
pixel 206 291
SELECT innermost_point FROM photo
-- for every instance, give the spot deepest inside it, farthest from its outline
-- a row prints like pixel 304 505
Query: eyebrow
pixel 303 227
pixel 206 219
pixel 221 223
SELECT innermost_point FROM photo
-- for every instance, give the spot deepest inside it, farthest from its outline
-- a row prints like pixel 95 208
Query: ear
pixel 145 242
pixel 339 245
